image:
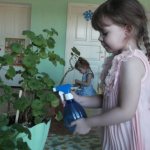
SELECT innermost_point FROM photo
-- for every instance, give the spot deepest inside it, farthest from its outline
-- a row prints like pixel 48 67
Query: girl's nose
pixel 100 38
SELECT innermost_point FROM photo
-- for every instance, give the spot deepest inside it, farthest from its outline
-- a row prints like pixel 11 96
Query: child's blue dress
pixel 86 90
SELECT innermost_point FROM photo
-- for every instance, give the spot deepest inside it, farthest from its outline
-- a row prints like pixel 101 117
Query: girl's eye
pixel 104 33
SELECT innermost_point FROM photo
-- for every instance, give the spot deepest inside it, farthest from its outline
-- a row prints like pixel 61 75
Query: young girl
pixel 126 99
pixel 86 87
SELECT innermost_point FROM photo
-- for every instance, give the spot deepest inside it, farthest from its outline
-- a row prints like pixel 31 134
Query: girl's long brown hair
pixel 124 12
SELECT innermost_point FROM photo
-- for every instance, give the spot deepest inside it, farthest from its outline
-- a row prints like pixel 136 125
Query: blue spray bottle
pixel 72 109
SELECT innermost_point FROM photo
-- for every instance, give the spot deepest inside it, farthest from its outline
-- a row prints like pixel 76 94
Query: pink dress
pixel 135 133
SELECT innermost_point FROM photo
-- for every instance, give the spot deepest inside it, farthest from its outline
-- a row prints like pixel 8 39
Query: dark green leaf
pixel 16 48
pixel 22 129
pixel 22 103
pixel 30 60
pixel 10 72
pixel 39 41
pixel 75 50
pixel 51 42
pixel 21 145
pixel 29 34
pixel 43 54
pixel 54 31
pixel 3 120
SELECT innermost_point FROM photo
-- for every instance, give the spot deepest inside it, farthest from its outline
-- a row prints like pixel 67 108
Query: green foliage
pixel 9 135
pixel 37 98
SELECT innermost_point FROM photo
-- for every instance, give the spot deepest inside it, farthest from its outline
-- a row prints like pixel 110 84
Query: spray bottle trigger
pixel 61 96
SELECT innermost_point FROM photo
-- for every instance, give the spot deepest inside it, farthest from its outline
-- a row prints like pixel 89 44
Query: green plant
pixel 37 101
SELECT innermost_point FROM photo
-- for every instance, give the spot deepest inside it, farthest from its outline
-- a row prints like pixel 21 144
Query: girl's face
pixel 112 36
pixel 82 70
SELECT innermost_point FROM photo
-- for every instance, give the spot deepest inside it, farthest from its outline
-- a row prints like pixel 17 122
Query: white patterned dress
pixel 135 133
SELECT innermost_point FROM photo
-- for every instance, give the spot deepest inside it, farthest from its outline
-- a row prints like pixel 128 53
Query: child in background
pixel 86 87
pixel 126 99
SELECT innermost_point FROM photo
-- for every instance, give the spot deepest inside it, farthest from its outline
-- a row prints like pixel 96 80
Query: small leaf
pixel 51 42
pixel 59 116
pixel 54 31
pixel 43 54
pixel 55 102
pixel 10 73
pixel 75 50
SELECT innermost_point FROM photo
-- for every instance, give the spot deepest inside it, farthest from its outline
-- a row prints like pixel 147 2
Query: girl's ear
pixel 128 30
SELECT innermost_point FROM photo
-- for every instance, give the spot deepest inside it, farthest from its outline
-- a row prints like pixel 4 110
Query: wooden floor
pixel 60 138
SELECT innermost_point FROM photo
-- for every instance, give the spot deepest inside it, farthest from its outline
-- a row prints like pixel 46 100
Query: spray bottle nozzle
pixel 65 88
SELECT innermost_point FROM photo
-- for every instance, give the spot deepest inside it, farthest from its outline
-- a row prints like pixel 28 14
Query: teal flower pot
pixel 39 135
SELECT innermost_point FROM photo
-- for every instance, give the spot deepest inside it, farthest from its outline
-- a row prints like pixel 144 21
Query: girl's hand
pixel 78 82
pixel 82 126
pixel 75 96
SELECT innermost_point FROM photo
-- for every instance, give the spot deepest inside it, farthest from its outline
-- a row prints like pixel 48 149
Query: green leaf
pixel 51 42
pixel 16 48
pixel 3 120
pixel 51 32
pixel 61 61
pixel 21 145
pixel 2 60
pixel 21 129
pixel 37 105
pixel 38 108
pixel 5 98
pixel 54 31
pixel 32 71
pixel 7 89
pixel 47 80
pixel 35 84
pixel 29 34
pixel 75 50
pixel 30 60
pixel 54 101
pixel 38 119
pixel 22 103
pixel 59 116
pixel 52 58
pixel 39 41
pixel 5 143
pixel 43 54
pixel 10 72
pixel 9 59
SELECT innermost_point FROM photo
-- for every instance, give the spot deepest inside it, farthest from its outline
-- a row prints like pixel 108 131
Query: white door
pixel 14 18
pixel 81 35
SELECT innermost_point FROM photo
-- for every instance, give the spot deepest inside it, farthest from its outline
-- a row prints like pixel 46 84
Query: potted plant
pixel 34 102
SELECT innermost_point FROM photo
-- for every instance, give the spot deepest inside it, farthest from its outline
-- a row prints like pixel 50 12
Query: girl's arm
pixel 89 101
pixel 131 74
pixel 87 82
